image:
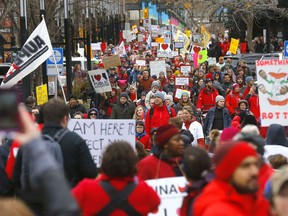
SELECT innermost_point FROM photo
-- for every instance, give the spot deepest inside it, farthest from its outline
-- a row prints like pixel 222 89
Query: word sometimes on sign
pixel 98 134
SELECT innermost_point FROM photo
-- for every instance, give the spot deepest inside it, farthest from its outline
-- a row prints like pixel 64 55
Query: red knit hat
pixel 228 134
pixel 229 156
pixel 165 133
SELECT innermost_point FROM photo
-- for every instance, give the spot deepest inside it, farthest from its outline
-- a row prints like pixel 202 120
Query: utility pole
pixel 68 47
pixel 44 66
pixel 23 31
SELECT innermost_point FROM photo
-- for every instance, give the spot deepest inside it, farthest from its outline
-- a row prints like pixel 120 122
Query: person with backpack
pixel 78 162
pixel 159 114
pixel 117 191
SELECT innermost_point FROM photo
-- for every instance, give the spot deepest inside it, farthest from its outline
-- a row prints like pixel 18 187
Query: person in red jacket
pixel 207 97
pixel 249 85
pixel 243 111
pixel 117 191
pixel 234 189
pixel 253 100
pixel 141 135
pixel 233 99
pixel 167 155
pixel 159 114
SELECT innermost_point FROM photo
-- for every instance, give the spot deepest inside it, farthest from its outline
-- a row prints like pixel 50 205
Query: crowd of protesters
pixel 211 134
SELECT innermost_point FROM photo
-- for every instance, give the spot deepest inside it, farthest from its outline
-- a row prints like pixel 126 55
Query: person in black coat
pixel 78 162
pixel 74 106
pixel 123 109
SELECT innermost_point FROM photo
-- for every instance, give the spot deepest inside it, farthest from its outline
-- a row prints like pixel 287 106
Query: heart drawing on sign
pixel 196 49
pixel 97 77
pixel 164 46
pixel 200 56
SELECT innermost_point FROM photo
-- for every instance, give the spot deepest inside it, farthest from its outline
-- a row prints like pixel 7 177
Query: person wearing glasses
pixel 93 113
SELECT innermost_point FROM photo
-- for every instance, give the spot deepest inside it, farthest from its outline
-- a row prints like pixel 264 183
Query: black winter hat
pixel 124 94
pixel 140 123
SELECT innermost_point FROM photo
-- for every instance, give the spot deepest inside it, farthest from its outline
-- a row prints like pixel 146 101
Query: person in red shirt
pixel 233 99
pixel 159 114
pixel 234 191
pixel 117 191
pixel 167 155
pixel 249 84
pixel 141 135
pixel 253 100
pixel 207 97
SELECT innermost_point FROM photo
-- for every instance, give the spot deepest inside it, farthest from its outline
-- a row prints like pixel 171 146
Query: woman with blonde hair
pixel 190 123
pixel 139 113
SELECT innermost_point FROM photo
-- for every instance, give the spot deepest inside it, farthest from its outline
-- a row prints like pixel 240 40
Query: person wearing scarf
pixel 167 155
pixel 141 135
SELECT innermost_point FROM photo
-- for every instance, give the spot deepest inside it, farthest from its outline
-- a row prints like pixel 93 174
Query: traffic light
pixel 282 4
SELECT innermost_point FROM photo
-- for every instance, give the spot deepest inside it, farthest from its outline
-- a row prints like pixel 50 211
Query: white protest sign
pixel 179 92
pixel 211 61
pixel 126 34
pixel 140 37
pixel 154 44
pixel 181 81
pixel 96 46
pixel 156 67
pixel 100 80
pixel 99 133
pixel 171 192
pixel 272 77
pixel 155 28
pixel 185 69
pixel 141 62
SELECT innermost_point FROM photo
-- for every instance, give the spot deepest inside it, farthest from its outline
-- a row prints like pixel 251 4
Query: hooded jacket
pixel 122 111
pixel 97 113
pixel 232 101
pixel 206 99
pixel 229 202
pixel 276 141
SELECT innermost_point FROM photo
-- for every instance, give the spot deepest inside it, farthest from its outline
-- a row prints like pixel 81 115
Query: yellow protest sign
pixel 159 40
pixel 202 56
pixel 41 94
pixel 234 46
pixel 206 36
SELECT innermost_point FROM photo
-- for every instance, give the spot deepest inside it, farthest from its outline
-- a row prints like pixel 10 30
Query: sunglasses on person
pixel 93 114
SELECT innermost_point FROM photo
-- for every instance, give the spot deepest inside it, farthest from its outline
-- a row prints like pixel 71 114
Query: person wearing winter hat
pixel 239 117
pixel 155 86
pixel 145 81
pixel 169 102
pixel 207 96
pixel 141 135
pixel 232 100
pixel 235 183
pixel 167 155
pixel 159 114
pixel 123 109
pixel 170 87
pixel 217 117
pixel 249 84
pixel 75 106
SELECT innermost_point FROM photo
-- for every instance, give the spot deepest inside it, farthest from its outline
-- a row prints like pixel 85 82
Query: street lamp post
pixel 68 47
pixel 44 67
pixel 23 29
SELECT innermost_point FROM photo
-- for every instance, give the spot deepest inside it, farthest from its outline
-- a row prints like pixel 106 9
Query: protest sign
pixel 185 69
pixel 181 81
pixel 41 94
pixel 98 134
pixel 159 40
pixel 96 46
pixel 140 37
pixel 179 45
pixel 171 192
pixel 272 77
pixel 179 92
pixel 112 61
pixel 141 62
pixel 100 80
pixel 234 46
pixel 154 44
pixel 156 67
pixel 212 61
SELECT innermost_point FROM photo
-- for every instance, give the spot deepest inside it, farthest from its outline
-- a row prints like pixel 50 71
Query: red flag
pixel 103 46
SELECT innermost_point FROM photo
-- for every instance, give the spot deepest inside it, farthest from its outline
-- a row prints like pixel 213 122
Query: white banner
pixel 35 51
pixel 185 69
pixel 272 76
pixel 100 80
pixel 171 192
pixel 156 67
pixel 99 133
